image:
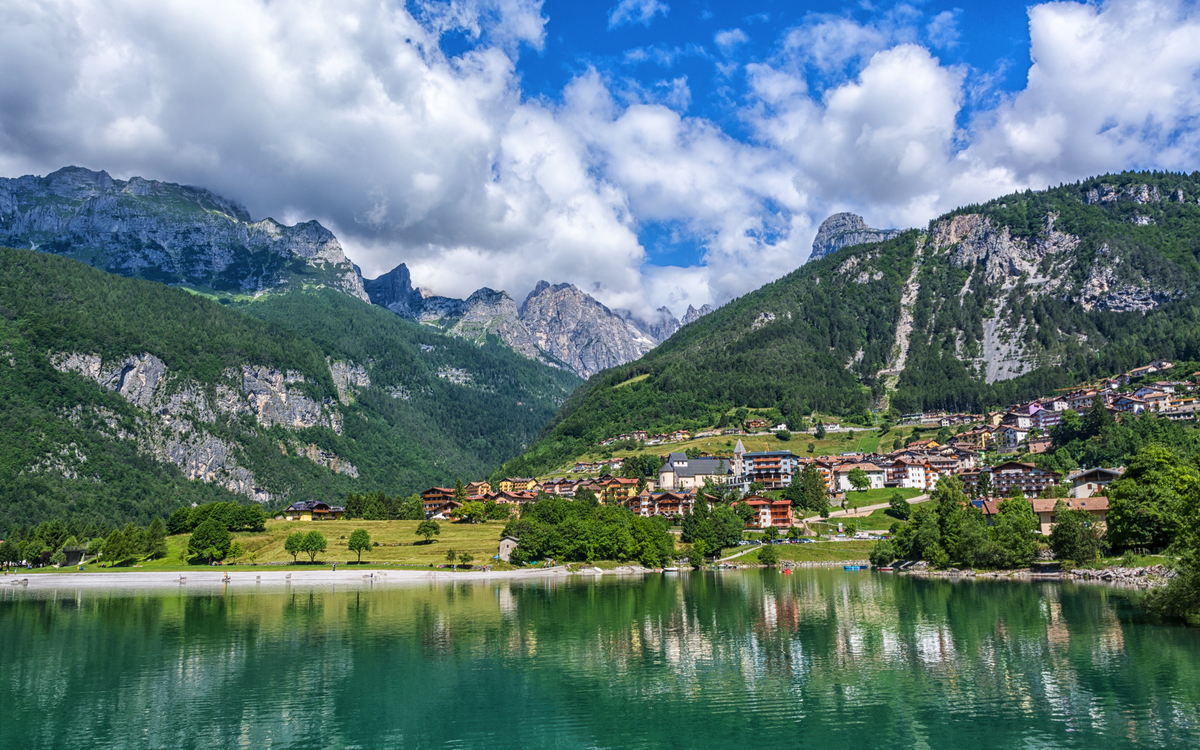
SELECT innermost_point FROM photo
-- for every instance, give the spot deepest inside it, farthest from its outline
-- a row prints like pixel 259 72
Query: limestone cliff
pixel 167 232
pixel 177 416
pixel 846 230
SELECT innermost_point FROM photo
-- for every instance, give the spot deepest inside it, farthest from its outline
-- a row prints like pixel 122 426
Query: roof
pixel 864 467
pixel 695 466
pixel 1047 504
pixel 1114 473
pixel 316 505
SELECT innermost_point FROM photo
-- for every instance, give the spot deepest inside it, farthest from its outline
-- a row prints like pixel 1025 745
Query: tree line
pixel 582 529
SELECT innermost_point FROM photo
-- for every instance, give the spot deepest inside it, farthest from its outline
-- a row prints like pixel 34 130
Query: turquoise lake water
pixel 818 659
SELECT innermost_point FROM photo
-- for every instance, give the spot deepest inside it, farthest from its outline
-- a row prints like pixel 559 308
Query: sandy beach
pixel 209 578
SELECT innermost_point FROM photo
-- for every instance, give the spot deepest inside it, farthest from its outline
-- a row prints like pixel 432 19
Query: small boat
pixel 852 567
pixel 670 570
pixel 885 569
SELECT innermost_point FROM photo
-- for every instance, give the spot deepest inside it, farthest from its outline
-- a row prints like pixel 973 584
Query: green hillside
pixel 71 447
pixel 823 339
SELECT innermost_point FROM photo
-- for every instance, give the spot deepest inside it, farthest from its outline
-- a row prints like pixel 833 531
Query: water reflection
pixel 814 659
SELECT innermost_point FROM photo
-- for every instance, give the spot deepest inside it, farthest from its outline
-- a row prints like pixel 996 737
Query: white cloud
pixel 350 113
pixel 728 40
pixel 943 29
pixel 1112 87
pixel 636 11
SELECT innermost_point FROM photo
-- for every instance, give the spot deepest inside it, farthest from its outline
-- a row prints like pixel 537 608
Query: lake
pixel 817 659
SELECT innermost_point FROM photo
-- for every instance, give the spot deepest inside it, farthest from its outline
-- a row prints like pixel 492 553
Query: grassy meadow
pixel 817 552
pixel 398 545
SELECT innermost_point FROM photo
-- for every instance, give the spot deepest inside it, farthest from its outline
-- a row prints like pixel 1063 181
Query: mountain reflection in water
pixel 817 659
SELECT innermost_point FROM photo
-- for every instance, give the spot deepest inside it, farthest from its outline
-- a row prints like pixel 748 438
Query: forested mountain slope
pixel 991 304
pixel 121 399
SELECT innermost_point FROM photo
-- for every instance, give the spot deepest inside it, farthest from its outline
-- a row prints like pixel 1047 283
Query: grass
pixel 1136 561
pixel 878 521
pixel 855 499
pixel 631 381
pixel 818 552
pixel 398 545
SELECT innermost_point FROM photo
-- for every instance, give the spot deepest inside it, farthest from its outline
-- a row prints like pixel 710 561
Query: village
pixel 989 453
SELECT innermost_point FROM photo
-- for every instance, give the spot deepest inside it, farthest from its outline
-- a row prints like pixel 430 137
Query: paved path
pixel 866 510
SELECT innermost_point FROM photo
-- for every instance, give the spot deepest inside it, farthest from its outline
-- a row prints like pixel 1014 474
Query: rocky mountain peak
pixel 576 329
pixel 845 230
pixel 167 232
pixel 692 314
pixel 394 290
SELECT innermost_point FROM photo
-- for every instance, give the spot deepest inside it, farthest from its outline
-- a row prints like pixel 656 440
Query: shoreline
pixel 205 577
pixel 1143 578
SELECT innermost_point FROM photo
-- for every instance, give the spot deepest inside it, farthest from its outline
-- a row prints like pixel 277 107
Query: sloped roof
pixel 695 466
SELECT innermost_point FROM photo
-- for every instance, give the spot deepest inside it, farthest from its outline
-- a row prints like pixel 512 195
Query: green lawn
pixel 398 544
pixel 874 497
pixel 879 520
pixel 817 552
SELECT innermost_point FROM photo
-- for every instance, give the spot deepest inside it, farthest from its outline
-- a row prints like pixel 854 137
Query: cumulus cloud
pixel 350 112
pixel 636 11
pixel 1111 87
pixel 729 40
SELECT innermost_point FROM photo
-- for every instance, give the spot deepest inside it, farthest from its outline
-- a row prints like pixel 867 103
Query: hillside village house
pixel 905 472
pixel 619 489
pixel 668 504
pixel 313 510
pixel 875 475
pixel 1090 481
pixel 435 497
pixel 1012 475
pixel 1097 507
pixel 519 484
pixel 776 513
pixel 682 473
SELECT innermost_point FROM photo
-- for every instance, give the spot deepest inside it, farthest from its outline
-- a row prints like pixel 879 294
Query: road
pixel 866 510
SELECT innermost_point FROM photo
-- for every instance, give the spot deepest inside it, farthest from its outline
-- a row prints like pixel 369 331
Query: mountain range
pixel 988 305
pixel 277 373
pixel 558 324
pixel 188 236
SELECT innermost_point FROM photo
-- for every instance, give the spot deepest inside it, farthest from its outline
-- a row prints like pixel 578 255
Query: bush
pixel 783 435
pixel 768 555
pixel 883 553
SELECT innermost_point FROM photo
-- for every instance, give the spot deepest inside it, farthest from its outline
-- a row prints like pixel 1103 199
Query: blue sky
pixel 653 152
pixel 655 43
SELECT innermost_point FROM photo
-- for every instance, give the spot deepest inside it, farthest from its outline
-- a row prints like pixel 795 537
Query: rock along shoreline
pixel 1147 577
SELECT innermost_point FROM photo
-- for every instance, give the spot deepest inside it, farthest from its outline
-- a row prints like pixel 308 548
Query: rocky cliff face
pixel 846 230
pixel 578 330
pixel 557 324
pixel 177 416
pixel 1013 272
pixel 394 290
pixel 167 232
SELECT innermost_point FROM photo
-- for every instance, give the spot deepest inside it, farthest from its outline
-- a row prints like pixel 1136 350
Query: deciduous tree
pixel 314 544
pixel 360 542
pixel 428 529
